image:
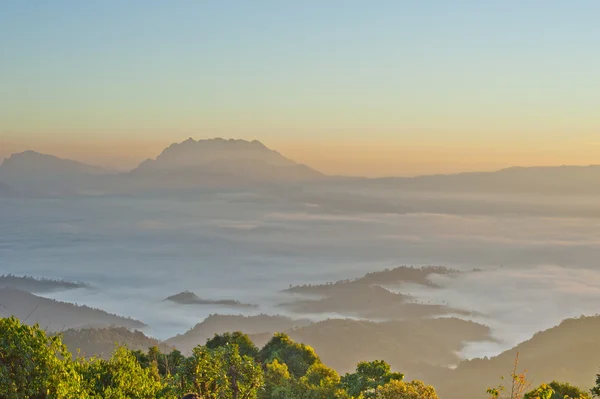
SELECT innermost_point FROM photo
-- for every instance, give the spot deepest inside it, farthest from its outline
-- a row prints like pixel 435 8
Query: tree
pixel 243 373
pixel 297 357
pixel 320 382
pixel 245 345
pixel 34 365
pixel 278 382
pixel 221 373
pixel 596 390
pixel 542 392
pixel 560 390
pixel 120 377
pixel 202 373
pixel 397 389
pixel 369 376
pixel 519 385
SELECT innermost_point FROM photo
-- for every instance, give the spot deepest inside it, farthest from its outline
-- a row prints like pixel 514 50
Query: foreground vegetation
pixel 34 365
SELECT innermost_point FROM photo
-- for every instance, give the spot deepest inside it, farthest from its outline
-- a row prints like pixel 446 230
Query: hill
pixel 368 297
pixel 568 352
pixel 101 341
pixel 411 346
pixel 398 275
pixel 55 315
pixel 219 324
pixel 189 298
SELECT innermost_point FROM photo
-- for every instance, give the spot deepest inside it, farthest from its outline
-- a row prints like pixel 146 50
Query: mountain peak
pixel 192 153
pixel 220 159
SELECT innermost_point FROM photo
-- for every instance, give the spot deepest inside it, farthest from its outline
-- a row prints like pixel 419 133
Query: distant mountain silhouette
pixel 232 163
pixel 536 180
pixel 30 162
pixel 221 162
pixel 31 172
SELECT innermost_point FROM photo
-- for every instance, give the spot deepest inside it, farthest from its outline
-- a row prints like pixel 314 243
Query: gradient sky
pixel 349 87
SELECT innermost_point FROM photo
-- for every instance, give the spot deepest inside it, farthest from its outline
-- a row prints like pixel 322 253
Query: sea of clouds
pixel 135 251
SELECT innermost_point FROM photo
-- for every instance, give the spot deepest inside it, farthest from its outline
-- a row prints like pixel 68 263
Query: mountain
pixel 30 163
pixel 55 315
pixel 220 162
pixel 535 180
pixel 568 352
pixel 30 172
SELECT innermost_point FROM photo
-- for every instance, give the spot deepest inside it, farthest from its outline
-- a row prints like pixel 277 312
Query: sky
pixel 349 87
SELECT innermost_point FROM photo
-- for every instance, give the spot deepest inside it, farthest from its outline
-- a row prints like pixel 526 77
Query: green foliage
pixel 319 382
pixel 369 376
pixel 163 364
pixel 397 389
pixel 596 390
pixel 278 382
pixel 221 373
pixel 120 377
pixel 297 357
pixel 35 366
pixel 245 345
pixel 542 392
pixel 559 390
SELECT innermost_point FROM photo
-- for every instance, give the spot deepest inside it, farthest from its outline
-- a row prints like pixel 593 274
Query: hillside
pixel 410 346
pixel 568 352
pixel 101 341
pixel 55 315
pixel 397 275
pixel 367 296
pixel 219 324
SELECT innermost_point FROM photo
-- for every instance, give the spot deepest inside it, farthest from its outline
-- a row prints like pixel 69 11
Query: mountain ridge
pixel 219 162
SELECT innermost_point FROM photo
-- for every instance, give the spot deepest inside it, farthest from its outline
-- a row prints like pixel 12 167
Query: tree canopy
pixel 34 365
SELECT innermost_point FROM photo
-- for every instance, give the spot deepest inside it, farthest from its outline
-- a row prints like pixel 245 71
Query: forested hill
pixel 567 352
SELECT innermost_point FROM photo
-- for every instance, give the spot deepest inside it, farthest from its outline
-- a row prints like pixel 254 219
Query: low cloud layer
pixel 248 246
pixel 516 303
